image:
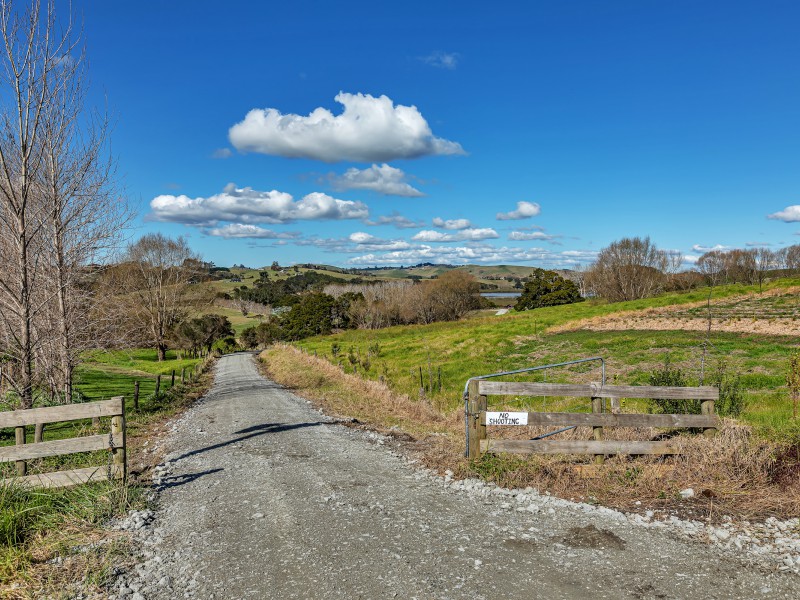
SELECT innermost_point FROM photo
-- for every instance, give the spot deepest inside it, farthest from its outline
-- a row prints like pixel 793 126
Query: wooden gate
pixel 478 416
pixel 113 441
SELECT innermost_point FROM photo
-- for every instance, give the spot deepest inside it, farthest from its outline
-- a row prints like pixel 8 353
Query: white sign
pixel 506 418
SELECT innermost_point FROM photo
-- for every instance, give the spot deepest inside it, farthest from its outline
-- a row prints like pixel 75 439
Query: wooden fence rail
pixel 478 419
pixel 114 442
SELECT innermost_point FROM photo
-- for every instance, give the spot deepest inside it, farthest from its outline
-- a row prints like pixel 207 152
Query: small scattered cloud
pixel 172 185
pixel 396 220
pixel 222 153
pixel 703 249
pixel 451 224
pixel 441 60
pixel 369 129
pixel 690 259
pixel 240 231
pixel 249 206
pixel 790 214
pixel 360 237
pixel 365 241
pixel 355 242
pixel 525 210
pixel 758 244
pixel 476 253
pixel 383 179
pixel 471 235
pixel 526 236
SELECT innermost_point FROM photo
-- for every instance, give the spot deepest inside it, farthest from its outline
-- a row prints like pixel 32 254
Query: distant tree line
pixel 370 306
pixel 633 268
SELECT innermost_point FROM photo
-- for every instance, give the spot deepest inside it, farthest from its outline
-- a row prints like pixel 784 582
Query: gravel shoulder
pixel 262 496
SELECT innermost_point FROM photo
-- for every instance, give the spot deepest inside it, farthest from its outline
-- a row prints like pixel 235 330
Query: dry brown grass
pixel 350 396
pixel 733 473
pixel 82 573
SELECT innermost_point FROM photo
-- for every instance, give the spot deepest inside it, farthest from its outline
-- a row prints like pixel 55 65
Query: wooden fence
pixel 479 390
pixel 113 441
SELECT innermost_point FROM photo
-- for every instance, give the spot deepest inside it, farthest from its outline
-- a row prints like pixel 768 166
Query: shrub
pixel 671 376
pixel 547 288
pixel 732 400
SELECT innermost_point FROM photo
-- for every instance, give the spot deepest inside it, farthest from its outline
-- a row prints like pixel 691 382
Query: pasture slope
pixel 752 335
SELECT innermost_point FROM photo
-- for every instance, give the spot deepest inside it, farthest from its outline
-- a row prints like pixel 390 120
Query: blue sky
pixel 502 132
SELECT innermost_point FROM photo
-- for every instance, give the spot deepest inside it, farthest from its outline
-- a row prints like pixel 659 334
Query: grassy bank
pixel 413 357
pixel 53 542
pixel 734 473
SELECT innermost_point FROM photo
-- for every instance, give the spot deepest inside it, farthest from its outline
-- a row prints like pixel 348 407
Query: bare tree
pixel 712 266
pixel 791 257
pixel 629 269
pixel 155 287
pixel 85 212
pixel 31 56
pixel 765 260
pixel 58 207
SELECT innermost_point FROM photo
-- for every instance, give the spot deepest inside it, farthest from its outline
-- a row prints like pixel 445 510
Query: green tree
pixel 312 315
pixel 547 288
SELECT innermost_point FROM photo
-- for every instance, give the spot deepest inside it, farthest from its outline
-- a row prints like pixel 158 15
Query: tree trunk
pixel 26 338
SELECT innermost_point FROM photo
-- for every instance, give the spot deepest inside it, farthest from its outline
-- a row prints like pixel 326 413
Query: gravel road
pixel 261 496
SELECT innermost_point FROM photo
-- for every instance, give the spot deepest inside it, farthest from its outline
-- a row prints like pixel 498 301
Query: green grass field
pixel 486 344
pixel 104 375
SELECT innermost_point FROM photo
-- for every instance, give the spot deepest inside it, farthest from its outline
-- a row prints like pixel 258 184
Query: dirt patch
pixel 524 545
pixel 747 313
pixel 593 538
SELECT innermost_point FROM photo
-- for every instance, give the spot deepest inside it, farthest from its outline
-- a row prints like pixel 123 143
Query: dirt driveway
pixel 263 497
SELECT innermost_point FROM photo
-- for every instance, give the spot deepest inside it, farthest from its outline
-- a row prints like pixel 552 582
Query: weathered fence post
pixel 183 375
pixel 118 434
pixel 158 384
pixel 38 433
pixel 135 395
pixel 477 430
pixel 707 408
pixel 19 436
pixel 172 384
pixel 597 432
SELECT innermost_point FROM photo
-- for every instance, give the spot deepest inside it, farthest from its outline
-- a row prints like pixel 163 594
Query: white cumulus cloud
pixel 383 179
pixel 451 223
pixel 369 129
pixel 471 235
pixel 790 214
pixel 248 206
pixel 525 210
